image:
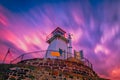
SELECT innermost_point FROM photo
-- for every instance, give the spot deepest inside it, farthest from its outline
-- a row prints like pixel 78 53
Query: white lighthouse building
pixel 59 45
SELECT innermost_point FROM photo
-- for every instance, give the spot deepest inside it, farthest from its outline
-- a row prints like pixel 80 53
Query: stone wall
pixel 50 69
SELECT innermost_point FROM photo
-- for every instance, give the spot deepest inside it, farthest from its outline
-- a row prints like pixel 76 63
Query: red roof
pixel 58 29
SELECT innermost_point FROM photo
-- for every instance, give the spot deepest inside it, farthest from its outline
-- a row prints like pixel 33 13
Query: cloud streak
pixel 95 26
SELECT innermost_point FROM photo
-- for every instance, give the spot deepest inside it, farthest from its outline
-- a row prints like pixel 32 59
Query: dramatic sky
pixel 94 24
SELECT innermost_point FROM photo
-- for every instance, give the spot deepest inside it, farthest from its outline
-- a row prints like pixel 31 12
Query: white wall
pixel 55 45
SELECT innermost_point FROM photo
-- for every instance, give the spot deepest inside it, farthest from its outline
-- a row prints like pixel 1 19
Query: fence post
pixel 22 57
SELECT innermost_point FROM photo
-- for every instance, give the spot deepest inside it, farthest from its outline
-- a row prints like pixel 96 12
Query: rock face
pixel 50 69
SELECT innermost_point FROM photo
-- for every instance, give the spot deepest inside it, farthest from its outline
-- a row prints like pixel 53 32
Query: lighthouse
pixel 59 62
pixel 58 44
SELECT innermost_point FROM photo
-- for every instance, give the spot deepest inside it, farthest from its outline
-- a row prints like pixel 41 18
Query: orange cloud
pixel 115 74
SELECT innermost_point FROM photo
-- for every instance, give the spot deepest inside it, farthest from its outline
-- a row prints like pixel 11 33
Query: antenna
pixel 70 45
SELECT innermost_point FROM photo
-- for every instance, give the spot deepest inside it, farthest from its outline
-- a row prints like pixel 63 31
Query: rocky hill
pixel 47 69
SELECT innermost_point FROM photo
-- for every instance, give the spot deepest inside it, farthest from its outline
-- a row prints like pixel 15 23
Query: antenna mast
pixel 70 45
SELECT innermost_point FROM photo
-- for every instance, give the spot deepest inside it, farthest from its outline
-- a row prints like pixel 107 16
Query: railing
pixel 42 54
pixel 29 55
pixel 51 35
pixel 87 63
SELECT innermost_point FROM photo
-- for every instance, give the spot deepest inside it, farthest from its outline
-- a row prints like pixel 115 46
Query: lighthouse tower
pixel 58 44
